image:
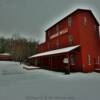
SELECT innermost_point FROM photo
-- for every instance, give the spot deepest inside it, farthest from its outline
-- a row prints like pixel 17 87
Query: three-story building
pixel 75 39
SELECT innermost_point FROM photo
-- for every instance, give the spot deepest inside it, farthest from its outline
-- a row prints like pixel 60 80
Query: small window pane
pixel 69 21
pixel 57 28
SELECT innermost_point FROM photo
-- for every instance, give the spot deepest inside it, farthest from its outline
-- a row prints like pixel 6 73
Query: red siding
pixel 5 58
pixel 89 41
pixel 84 33
pixel 63 41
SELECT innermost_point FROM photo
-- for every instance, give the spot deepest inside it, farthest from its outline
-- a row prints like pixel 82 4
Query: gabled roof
pixel 58 51
pixel 83 10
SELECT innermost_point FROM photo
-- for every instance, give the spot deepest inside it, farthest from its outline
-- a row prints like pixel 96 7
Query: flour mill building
pixel 73 40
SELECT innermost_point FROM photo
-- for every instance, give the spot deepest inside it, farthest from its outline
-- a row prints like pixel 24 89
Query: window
pixel 48 34
pixel 98 62
pixel 54 36
pixel 73 59
pixel 57 43
pixel 69 21
pixel 48 46
pixel 57 28
pixel 85 20
pixel 89 59
pixel 96 28
pixel 70 39
pixel 64 31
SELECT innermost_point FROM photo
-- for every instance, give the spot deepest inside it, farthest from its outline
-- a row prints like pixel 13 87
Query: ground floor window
pixel 89 59
pixel 73 59
pixel 97 60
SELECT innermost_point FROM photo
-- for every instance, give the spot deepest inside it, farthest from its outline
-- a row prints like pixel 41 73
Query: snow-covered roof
pixel 63 50
pixel 5 54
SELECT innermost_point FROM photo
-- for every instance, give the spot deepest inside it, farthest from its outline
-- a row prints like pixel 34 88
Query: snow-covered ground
pixel 17 83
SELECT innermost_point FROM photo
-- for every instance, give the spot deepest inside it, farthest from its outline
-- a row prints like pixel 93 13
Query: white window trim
pixel 54 35
pixel 64 31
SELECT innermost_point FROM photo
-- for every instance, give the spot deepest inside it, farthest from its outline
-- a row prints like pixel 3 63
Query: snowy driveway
pixel 17 83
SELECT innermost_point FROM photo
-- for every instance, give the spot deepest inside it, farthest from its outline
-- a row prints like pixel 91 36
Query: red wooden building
pixel 75 39
pixel 6 57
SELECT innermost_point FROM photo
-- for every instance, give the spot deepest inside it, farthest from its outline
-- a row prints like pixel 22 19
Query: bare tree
pixel 20 48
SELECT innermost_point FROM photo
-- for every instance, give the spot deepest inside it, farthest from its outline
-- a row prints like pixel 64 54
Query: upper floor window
pixel 57 28
pixel 69 21
pixel 54 36
pixel 70 39
pixel 48 34
pixel 57 43
pixel 96 28
pixel 85 20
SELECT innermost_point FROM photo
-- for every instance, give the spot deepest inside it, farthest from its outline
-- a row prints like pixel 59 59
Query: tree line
pixel 19 48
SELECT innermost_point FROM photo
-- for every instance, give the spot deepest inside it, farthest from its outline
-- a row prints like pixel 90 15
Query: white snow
pixel 17 83
pixel 5 54
pixel 30 67
pixel 63 50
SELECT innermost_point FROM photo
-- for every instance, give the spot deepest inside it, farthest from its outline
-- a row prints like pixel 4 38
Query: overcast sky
pixel 31 18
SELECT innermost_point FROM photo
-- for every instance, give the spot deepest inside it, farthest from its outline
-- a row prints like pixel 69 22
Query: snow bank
pixel 47 85
pixel 10 68
pixel 29 67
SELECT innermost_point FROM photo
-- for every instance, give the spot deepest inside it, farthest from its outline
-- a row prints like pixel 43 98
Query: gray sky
pixel 31 18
